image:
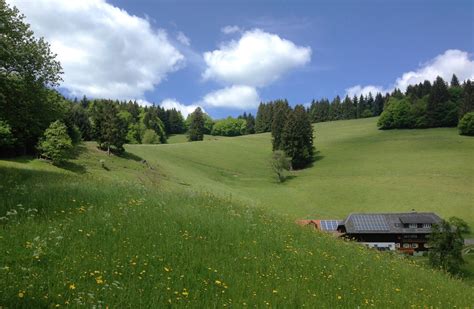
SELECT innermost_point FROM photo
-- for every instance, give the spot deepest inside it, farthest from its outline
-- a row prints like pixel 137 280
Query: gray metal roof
pixel 388 223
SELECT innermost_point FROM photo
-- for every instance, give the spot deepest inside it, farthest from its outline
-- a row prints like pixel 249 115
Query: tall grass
pixel 80 240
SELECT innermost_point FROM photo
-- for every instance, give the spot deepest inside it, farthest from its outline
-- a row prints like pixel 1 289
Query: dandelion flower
pixel 21 294
pixel 72 286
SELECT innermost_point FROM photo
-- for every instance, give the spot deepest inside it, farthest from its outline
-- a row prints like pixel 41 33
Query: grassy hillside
pixel 359 168
pixel 89 236
pixel 138 235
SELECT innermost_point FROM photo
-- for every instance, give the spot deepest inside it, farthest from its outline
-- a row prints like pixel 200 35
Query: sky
pixel 227 56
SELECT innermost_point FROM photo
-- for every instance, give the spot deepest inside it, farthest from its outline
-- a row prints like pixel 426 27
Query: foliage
pixel 56 143
pixel 150 137
pixel 27 68
pixel 110 130
pixel 264 118
pixel 250 122
pixel 153 122
pixel 6 136
pixel 297 138
pixel 466 124
pixel 281 109
pixel 447 241
pixel 229 127
pixel 280 164
pixel 196 126
pixel 396 115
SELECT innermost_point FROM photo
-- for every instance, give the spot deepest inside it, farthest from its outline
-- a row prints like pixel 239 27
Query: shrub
pixel 150 137
pixel 55 143
pixel 466 124
pixel 398 114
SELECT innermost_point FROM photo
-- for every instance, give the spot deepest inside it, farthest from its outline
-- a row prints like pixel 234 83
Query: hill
pixel 128 235
pixel 358 168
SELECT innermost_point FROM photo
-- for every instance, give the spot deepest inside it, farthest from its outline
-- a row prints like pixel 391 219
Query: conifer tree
pixel 454 81
pixel 259 123
pixel 196 126
pixel 437 102
pixel 298 138
pixel 280 114
pixel 467 100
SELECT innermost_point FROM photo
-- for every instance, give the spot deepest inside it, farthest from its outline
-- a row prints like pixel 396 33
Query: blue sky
pixel 366 43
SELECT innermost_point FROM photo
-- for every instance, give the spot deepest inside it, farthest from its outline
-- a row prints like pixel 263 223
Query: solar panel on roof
pixel 370 223
pixel 329 225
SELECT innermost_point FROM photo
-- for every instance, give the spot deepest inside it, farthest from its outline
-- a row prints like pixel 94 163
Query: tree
pixel 196 126
pixel 280 114
pixel 467 100
pixel 56 143
pixel 466 124
pixel 397 115
pixel 378 104
pixel 176 121
pixel 153 122
pixel 447 241
pixel 109 128
pixel 438 108
pixel 150 137
pixel 298 138
pixel 6 136
pixel 455 81
pixel 229 127
pixel 280 164
pixel 27 68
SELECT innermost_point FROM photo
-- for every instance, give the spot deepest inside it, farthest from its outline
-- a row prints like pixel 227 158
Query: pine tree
pixel 378 104
pixel 196 127
pixel 110 130
pixel 437 103
pixel 454 81
pixel 280 114
pixel 259 123
pixel 298 138
pixel 467 100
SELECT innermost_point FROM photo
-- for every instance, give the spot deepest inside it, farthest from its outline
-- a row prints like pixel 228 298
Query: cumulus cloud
pixel 257 59
pixel 183 39
pixel 104 51
pixel 451 62
pixel 230 29
pixel 237 97
pixel 184 109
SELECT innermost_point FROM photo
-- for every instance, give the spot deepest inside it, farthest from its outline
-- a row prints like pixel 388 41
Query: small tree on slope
pixel 56 143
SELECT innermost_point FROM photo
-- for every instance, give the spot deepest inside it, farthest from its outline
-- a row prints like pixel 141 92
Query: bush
pixel 230 127
pixel 397 115
pixel 466 124
pixel 150 137
pixel 55 143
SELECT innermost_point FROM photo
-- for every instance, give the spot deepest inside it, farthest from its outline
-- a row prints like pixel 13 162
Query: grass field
pixel 132 235
pixel 359 168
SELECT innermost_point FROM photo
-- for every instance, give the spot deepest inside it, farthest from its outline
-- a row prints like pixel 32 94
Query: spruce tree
pixel 467 100
pixel 259 123
pixel 298 138
pixel 437 103
pixel 196 126
pixel 280 114
pixel 378 104
pixel 454 81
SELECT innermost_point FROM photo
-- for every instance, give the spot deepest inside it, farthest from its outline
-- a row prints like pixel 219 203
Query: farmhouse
pixel 406 232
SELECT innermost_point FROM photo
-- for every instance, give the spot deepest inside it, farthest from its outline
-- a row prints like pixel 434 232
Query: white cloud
pixel 358 90
pixel 143 102
pixel 230 29
pixel 451 62
pixel 257 59
pixel 184 109
pixel 236 97
pixel 104 51
pixel 183 39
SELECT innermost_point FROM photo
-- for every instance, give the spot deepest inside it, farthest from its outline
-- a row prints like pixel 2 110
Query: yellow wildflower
pixel 72 286
pixel 21 294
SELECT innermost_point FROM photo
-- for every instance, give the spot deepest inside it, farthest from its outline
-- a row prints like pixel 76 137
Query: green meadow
pixel 358 168
pixel 205 224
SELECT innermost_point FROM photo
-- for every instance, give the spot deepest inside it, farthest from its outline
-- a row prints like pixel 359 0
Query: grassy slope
pixel 359 169
pixel 113 238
